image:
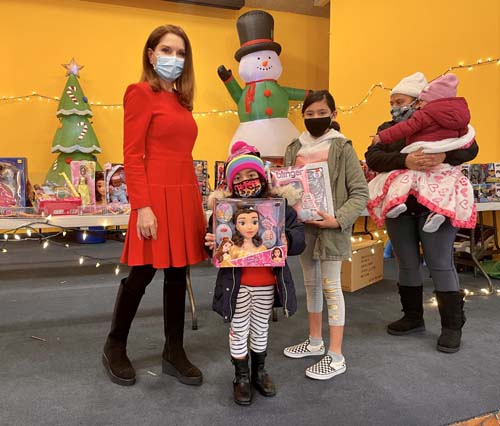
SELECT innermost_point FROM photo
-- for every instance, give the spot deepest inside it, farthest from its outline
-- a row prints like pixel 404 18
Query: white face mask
pixel 169 68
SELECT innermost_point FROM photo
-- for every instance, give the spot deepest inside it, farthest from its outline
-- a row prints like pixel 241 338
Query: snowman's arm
pixel 296 94
pixel 233 88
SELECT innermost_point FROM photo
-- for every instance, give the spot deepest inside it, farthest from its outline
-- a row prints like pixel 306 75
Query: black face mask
pixel 317 126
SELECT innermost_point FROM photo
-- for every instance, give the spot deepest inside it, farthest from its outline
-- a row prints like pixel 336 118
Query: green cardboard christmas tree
pixel 75 138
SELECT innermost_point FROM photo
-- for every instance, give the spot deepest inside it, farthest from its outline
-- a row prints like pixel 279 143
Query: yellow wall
pixel 385 40
pixel 107 37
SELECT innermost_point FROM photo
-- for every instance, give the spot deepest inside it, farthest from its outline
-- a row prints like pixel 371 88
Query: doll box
pixel 83 179
pixel 220 175
pixel 116 186
pixel 311 184
pixel 249 232
pixel 365 267
pixel 13 179
pixel 201 171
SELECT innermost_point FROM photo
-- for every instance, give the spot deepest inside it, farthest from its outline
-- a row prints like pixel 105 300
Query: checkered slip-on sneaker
pixel 325 368
pixel 304 349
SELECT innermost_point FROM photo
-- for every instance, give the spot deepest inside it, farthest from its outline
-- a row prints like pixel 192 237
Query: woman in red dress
pixel 167 224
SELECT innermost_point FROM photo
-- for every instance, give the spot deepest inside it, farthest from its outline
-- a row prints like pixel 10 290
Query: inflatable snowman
pixel 263 104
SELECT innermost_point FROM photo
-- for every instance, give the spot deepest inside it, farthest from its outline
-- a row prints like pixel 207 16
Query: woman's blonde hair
pixel 184 85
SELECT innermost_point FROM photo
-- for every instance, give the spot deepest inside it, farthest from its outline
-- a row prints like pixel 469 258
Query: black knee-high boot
pixel 242 388
pixel 413 318
pixel 175 362
pixel 260 379
pixel 451 309
pixel 114 357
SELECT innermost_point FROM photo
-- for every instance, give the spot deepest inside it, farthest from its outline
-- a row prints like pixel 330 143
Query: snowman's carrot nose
pixel 264 63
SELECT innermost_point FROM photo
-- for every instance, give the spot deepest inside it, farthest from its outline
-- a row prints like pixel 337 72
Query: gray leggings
pixel 406 233
pixel 322 277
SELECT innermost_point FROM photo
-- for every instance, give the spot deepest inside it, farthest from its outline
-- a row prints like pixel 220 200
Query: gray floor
pixel 46 294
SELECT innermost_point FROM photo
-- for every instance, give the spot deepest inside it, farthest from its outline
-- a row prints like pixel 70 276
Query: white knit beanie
pixel 411 85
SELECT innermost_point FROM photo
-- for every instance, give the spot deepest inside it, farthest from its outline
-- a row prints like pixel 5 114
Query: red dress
pixel 159 135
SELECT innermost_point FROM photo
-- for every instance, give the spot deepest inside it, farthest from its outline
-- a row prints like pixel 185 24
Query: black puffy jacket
pixel 228 280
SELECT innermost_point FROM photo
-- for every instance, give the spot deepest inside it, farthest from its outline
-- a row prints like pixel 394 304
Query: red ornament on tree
pixel 68 160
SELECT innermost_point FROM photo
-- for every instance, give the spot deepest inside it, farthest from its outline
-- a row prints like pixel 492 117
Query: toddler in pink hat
pixel 440 124
pixel 442 87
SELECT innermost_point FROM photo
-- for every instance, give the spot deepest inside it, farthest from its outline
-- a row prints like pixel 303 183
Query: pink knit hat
pixel 243 156
pixel 442 87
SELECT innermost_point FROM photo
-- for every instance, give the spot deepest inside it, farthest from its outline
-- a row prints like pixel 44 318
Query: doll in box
pixel 83 178
pixel 83 190
pixel 13 179
pixel 100 189
pixel 9 185
pixel 118 189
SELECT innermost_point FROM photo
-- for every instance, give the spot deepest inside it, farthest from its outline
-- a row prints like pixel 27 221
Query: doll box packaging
pixel 83 179
pixel 116 187
pixel 13 178
pixel 201 171
pixel 249 232
pixel 311 183
pixel 220 175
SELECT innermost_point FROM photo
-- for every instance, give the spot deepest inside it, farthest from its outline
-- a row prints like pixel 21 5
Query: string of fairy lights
pixel 34 95
pixel 30 232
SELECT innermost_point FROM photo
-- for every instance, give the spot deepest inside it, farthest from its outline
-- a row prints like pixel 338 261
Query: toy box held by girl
pixel 310 182
pixel 249 232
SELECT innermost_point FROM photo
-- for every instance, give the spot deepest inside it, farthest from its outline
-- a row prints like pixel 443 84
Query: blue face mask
pixel 169 68
pixel 402 113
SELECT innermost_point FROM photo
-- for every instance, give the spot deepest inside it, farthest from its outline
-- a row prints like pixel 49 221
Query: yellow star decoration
pixel 72 67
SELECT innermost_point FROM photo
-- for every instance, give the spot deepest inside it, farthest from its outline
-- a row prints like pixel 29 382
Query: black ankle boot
pixel 241 384
pixel 114 357
pixel 260 379
pixel 413 318
pixel 175 362
pixel 451 309
pixel 117 363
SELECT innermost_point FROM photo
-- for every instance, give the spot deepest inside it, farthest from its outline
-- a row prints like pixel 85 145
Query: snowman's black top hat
pixel 256 32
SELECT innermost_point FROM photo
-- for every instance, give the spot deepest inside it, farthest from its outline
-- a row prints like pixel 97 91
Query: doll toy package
pixel 116 189
pixel 249 232
pixel 220 175
pixel 201 171
pixel 311 185
pixel 13 177
pixel 83 179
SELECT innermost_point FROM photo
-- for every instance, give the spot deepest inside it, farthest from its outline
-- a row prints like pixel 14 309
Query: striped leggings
pixel 322 277
pixel 250 323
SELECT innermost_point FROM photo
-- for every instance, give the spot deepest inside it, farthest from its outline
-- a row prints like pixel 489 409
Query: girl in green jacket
pixel 328 241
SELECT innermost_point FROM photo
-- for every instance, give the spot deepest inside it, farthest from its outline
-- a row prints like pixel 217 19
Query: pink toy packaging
pixel 83 179
pixel 13 178
pixel 249 232
pixel 312 186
